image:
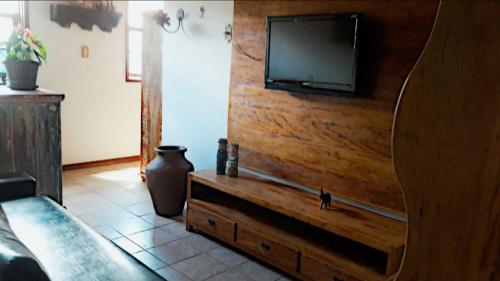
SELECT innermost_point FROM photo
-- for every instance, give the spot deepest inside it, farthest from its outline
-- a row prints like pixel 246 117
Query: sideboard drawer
pixel 211 223
pixel 271 251
pixel 316 270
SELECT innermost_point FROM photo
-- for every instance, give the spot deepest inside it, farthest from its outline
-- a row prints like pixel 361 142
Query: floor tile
pixel 257 272
pixel 156 220
pixel 109 198
pixel 119 195
pixel 130 226
pixel 227 256
pixel 285 279
pixel 177 229
pixel 201 242
pixel 149 260
pixel 175 251
pixel 127 245
pixel 74 189
pixel 230 275
pixel 107 232
pixel 141 208
pixel 171 274
pixel 90 220
pixel 200 267
pixel 112 214
pixel 85 202
pixel 151 238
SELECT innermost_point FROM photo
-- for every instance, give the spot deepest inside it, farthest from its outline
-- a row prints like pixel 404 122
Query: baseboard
pixel 99 163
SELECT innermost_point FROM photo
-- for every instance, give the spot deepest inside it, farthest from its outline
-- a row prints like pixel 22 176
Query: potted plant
pixel 25 52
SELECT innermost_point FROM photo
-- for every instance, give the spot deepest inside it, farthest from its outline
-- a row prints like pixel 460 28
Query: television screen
pixel 312 54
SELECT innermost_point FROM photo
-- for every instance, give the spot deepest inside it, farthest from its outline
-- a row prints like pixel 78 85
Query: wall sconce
pixel 228 33
pixel 163 19
pixel 202 12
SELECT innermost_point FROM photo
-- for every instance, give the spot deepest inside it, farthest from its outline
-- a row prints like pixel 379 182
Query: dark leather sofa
pixel 40 240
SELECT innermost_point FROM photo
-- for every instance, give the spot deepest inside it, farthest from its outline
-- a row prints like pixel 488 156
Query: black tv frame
pixel 297 86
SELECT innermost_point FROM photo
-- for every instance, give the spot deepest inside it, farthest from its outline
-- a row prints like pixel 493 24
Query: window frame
pixel 21 17
pixel 129 77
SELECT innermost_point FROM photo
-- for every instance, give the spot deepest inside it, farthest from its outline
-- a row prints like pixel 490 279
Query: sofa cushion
pixel 17 262
pixel 67 248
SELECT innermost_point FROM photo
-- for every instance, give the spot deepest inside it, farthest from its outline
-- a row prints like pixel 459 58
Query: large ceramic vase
pixel 166 178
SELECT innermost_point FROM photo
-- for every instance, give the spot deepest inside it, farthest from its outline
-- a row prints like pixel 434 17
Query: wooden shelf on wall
pixel 86 18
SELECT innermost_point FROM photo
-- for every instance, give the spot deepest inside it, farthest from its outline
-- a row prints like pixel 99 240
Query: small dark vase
pixel 22 74
pixel 222 157
pixel 166 177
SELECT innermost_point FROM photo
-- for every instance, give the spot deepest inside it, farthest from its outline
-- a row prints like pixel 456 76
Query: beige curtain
pixel 151 106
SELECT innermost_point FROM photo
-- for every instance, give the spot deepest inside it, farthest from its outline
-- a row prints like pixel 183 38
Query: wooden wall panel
pixel 447 148
pixel 342 145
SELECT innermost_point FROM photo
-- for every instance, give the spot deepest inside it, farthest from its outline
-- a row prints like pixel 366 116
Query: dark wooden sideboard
pixel 286 228
pixel 30 137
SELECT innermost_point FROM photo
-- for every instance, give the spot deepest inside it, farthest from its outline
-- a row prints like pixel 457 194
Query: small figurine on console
pixel 222 157
pixel 232 163
pixel 326 199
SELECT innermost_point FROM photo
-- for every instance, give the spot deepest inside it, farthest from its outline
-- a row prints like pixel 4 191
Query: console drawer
pixel 316 270
pixel 271 251
pixel 210 223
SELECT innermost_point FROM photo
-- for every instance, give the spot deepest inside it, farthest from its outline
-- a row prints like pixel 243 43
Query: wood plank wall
pixel 342 145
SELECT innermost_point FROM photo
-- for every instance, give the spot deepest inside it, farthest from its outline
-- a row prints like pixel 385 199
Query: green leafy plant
pixel 23 45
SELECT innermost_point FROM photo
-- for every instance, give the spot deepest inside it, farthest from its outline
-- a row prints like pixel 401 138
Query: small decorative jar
pixel 222 157
pixel 232 163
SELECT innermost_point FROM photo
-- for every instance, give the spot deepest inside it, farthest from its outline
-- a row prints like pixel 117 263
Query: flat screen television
pixel 312 54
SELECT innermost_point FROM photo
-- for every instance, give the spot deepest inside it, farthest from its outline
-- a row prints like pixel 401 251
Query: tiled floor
pixel 114 201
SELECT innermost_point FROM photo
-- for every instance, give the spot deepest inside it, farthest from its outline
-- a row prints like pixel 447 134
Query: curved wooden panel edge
pixel 446 148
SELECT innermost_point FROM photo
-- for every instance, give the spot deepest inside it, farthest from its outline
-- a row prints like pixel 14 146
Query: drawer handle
pixel 265 246
pixel 211 222
pixel 338 279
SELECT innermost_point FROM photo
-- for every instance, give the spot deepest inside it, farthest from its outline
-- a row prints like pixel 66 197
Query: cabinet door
pixel 317 270
pixel 23 137
pixel 273 252
pixel 48 147
pixel 210 223
pixel 6 160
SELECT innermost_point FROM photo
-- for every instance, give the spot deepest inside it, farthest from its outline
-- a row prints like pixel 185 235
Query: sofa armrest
pixel 16 186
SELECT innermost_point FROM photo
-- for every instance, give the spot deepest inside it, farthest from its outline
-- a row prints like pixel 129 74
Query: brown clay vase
pixel 166 177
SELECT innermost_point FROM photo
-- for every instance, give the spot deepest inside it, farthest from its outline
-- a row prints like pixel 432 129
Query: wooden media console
pixel 286 228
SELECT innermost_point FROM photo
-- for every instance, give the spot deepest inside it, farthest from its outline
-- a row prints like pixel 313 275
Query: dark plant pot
pixel 166 177
pixel 22 74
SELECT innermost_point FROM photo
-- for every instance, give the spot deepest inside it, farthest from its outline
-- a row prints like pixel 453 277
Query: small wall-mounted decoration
pixel 163 19
pixel 86 14
pixel 202 12
pixel 85 52
pixel 228 33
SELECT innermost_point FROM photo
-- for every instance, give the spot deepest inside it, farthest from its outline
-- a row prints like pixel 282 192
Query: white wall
pixel 196 80
pixel 101 112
